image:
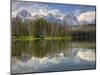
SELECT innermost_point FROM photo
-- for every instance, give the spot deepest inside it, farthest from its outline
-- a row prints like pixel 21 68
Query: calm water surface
pixel 52 55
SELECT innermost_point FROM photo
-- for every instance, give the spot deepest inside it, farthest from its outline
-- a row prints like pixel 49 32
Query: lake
pixel 52 55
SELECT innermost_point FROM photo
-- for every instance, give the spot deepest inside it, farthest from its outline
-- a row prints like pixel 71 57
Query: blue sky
pixel 72 8
pixel 63 8
pixel 81 11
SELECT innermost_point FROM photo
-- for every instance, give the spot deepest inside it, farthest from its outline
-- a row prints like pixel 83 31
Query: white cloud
pixel 34 8
pixel 54 11
pixel 13 14
pixel 89 17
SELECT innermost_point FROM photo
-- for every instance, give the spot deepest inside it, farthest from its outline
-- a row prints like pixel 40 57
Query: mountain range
pixel 69 19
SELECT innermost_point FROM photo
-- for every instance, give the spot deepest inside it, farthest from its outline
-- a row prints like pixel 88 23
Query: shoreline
pixel 40 38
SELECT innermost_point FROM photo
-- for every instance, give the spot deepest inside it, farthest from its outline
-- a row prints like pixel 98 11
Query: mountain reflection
pixel 52 55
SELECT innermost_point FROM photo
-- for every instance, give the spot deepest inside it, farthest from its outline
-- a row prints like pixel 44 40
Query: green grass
pixel 39 38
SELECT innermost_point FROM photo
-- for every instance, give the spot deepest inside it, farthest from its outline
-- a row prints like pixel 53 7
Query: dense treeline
pixel 84 35
pixel 84 32
pixel 40 28
pixel 37 28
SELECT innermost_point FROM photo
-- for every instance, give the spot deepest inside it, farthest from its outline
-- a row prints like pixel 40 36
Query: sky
pixel 83 12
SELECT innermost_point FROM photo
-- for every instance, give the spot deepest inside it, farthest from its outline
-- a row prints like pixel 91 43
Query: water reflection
pixel 52 55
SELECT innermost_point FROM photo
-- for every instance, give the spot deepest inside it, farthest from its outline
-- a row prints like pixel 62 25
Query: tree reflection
pixel 24 50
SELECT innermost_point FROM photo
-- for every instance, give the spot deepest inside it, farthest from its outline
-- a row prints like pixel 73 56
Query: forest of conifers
pixel 41 28
pixel 37 28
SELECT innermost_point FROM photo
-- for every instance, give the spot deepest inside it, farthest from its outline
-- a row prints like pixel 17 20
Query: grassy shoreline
pixel 39 38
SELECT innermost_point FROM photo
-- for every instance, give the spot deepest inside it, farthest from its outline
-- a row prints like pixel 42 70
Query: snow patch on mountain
pixel 53 18
pixel 68 19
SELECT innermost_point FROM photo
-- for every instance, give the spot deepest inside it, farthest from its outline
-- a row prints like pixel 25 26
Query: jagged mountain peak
pixel 70 19
pixel 24 14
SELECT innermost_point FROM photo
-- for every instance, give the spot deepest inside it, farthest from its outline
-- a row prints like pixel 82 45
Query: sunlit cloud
pixel 89 17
